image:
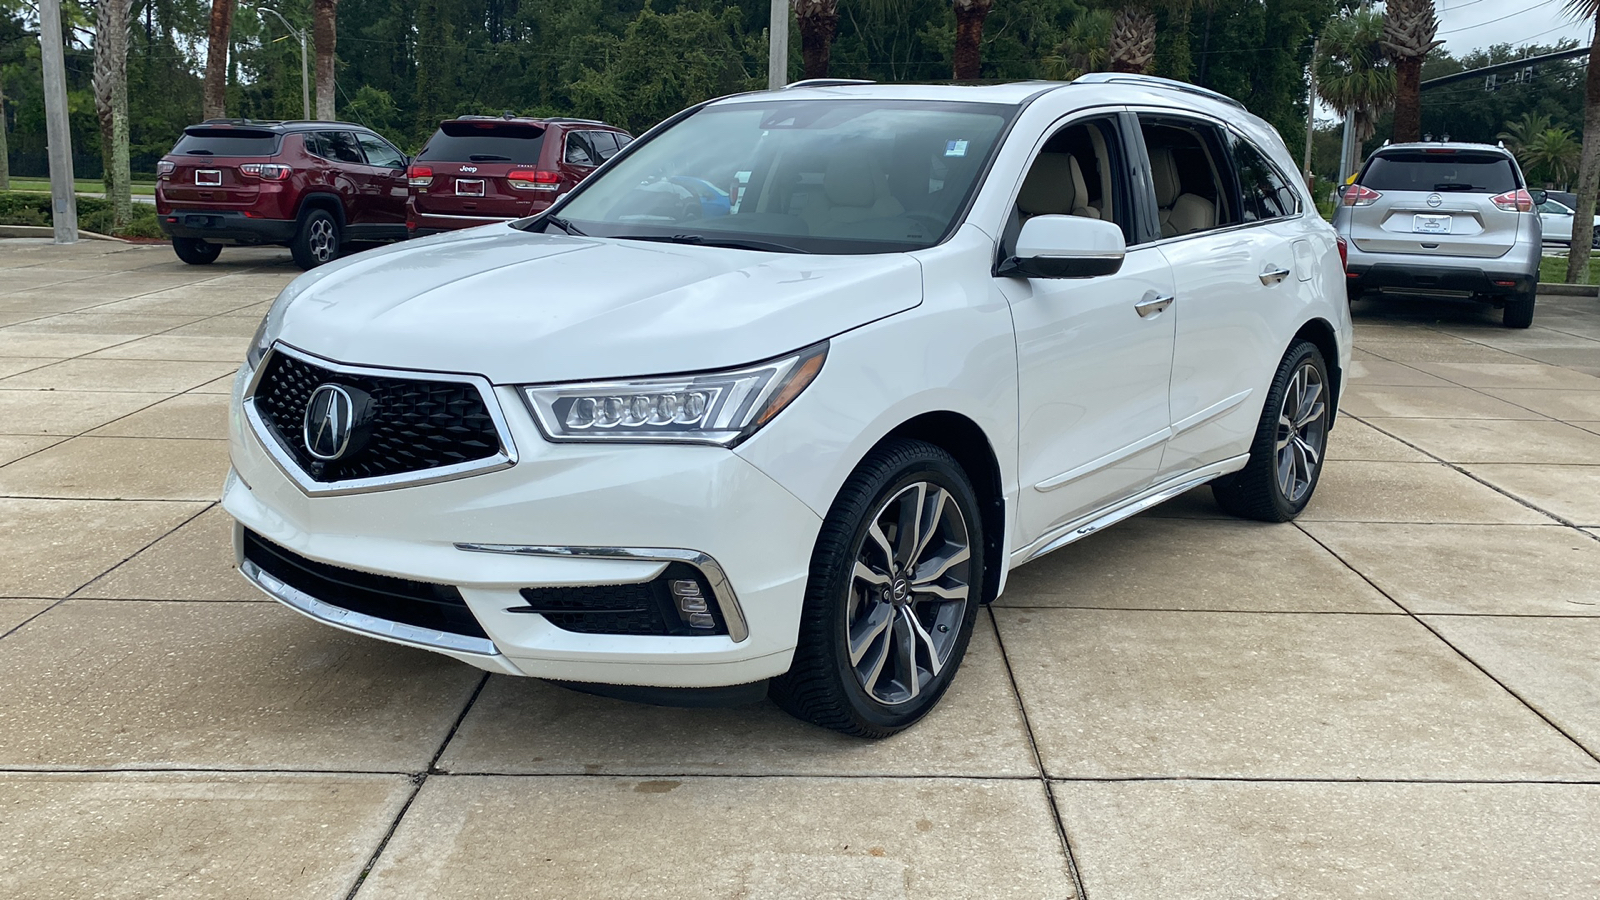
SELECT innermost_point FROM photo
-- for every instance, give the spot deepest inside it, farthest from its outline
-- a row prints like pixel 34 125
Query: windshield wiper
pixel 703 241
pixel 564 225
pixel 488 157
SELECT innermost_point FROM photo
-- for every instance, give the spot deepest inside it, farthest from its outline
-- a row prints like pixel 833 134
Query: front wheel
pixel 892 597
pixel 195 252
pixel 1286 455
pixel 316 241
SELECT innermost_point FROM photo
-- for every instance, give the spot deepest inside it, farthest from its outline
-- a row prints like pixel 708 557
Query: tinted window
pixel 380 154
pixel 1186 165
pixel 1469 173
pixel 488 141
pixel 1263 189
pixel 226 142
pixel 580 151
pixel 339 146
pixel 605 142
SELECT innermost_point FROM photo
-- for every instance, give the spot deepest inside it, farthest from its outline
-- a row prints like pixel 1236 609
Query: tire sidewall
pixel 836 583
pixel 1298 355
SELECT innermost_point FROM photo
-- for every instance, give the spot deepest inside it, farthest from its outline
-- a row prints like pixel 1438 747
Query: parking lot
pixel 1396 696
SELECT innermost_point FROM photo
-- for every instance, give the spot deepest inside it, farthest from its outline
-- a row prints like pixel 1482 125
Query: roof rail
pixel 576 121
pixel 241 122
pixel 827 82
pixel 1152 81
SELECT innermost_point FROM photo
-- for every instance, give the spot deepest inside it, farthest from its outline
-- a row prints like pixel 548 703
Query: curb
pixel 45 231
pixel 1569 290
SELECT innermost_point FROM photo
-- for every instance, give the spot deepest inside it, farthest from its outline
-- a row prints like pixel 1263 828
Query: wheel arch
pixel 329 202
pixel 965 440
pixel 1321 335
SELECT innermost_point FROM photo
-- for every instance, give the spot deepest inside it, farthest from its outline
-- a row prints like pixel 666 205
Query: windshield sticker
pixel 955 148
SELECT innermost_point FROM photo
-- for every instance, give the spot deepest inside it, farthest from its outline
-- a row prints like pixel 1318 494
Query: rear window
pixel 226 142
pixel 1473 173
pixel 514 142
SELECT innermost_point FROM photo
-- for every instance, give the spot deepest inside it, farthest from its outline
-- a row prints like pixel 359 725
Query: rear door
pixel 386 188
pixel 1440 201
pixel 485 169
pixel 347 175
pixel 206 166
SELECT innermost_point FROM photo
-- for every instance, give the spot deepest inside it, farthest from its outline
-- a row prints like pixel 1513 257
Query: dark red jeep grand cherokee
pixel 310 186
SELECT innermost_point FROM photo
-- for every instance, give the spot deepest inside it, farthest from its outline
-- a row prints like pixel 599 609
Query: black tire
pixel 1594 242
pixel 1259 490
pixel 1519 310
pixel 823 685
pixel 317 240
pixel 1352 293
pixel 195 252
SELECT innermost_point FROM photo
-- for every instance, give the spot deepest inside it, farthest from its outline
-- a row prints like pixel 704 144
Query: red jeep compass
pixel 310 186
pixel 480 169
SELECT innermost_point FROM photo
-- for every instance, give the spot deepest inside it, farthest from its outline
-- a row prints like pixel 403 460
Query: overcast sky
pixel 1467 25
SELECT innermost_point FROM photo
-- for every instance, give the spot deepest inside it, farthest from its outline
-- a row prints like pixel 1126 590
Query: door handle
pixel 1152 304
pixel 1273 276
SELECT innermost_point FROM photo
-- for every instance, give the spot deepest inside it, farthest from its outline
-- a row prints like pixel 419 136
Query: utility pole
pixel 1347 147
pixel 778 46
pixel 305 78
pixel 58 130
pixel 1311 106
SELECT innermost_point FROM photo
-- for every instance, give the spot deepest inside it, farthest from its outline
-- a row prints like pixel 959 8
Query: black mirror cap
pixel 1539 197
pixel 1059 266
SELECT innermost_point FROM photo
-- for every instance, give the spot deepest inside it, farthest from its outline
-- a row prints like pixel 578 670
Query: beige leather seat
pixel 1055 187
pixel 1181 213
pixel 853 190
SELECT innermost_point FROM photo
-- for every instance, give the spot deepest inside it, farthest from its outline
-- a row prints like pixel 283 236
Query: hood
pixel 523 308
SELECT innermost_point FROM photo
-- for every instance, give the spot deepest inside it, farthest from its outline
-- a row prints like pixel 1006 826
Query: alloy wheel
pixel 322 240
pixel 908 593
pixel 1302 432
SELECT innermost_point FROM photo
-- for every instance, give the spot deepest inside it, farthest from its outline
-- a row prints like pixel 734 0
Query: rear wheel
pixel 317 240
pixel 1595 242
pixel 195 252
pixel 1286 456
pixel 892 595
pixel 1519 310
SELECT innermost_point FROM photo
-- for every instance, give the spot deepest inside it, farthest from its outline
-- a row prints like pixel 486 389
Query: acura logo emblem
pixel 330 417
pixel 1434 200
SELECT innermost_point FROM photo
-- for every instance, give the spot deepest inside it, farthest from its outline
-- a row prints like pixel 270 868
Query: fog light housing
pixel 693 609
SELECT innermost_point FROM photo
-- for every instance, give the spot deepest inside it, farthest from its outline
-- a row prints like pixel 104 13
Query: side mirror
pixel 1066 247
pixel 1539 197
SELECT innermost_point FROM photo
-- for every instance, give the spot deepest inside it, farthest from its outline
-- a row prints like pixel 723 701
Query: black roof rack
pixel 1152 81
pixel 282 124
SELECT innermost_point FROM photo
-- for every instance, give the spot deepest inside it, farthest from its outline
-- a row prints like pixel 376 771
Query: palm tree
pixel 818 21
pixel 1522 132
pixel 1554 154
pixel 970 15
pixel 1133 39
pixel 1085 47
pixel 215 102
pixel 1589 164
pixel 111 105
pixel 1409 27
pixel 324 14
pixel 1353 74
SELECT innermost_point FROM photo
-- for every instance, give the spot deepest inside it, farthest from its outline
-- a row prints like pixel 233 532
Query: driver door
pixel 1094 354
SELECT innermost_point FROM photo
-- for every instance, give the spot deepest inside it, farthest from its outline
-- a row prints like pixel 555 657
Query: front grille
pixel 643 609
pixel 411 424
pixel 418 603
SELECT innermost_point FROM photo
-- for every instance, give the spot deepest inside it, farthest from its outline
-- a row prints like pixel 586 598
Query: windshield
pixel 1474 173
pixel 811 176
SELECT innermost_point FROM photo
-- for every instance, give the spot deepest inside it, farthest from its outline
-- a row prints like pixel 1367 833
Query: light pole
pixel 305 80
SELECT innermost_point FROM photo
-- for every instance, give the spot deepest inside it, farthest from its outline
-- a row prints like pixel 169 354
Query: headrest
pixel 851 181
pixel 1051 185
pixel 1164 171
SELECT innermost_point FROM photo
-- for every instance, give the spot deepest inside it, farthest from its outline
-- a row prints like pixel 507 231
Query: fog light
pixel 691 603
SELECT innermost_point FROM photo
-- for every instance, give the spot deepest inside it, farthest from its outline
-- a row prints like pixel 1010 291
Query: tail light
pixel 1514 201
pixel 1344 253
pixel 1356 195
pixel 164 169
pixel 534 180
pixel 419 176
pixel 266 171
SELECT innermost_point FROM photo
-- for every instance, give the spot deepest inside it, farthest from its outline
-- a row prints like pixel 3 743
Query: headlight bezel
pixel 738 403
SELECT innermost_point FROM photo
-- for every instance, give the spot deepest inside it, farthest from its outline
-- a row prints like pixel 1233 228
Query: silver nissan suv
pixel 1444 219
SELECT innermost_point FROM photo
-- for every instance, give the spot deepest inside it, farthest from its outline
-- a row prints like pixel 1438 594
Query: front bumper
pixel 564 515
pixel 225 226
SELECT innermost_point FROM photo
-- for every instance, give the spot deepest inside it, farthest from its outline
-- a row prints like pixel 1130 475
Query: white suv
pixel 790 441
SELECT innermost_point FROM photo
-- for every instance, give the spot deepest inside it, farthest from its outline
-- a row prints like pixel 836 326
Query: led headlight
pixel 258 345
pixel 708 408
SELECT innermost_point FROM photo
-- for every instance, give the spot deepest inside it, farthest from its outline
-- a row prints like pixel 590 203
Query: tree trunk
pixel 215 103
pixel 324 16
pixel 970 15
pixel 818 21
pixel 1408 99
pixel 111 104
pixel 5 158
pixel 1588 170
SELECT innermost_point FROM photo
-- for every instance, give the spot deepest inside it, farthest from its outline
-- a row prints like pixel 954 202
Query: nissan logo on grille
pixel 330 418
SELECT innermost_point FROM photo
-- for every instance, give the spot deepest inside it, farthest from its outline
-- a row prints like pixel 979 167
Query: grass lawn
pixel 1553 269
pixel 84 186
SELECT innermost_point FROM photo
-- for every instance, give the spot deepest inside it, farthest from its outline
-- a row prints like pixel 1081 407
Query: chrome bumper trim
pixel 362 623
pixel 727 600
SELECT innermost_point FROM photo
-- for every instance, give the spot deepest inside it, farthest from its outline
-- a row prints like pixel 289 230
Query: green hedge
pixel 94 214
